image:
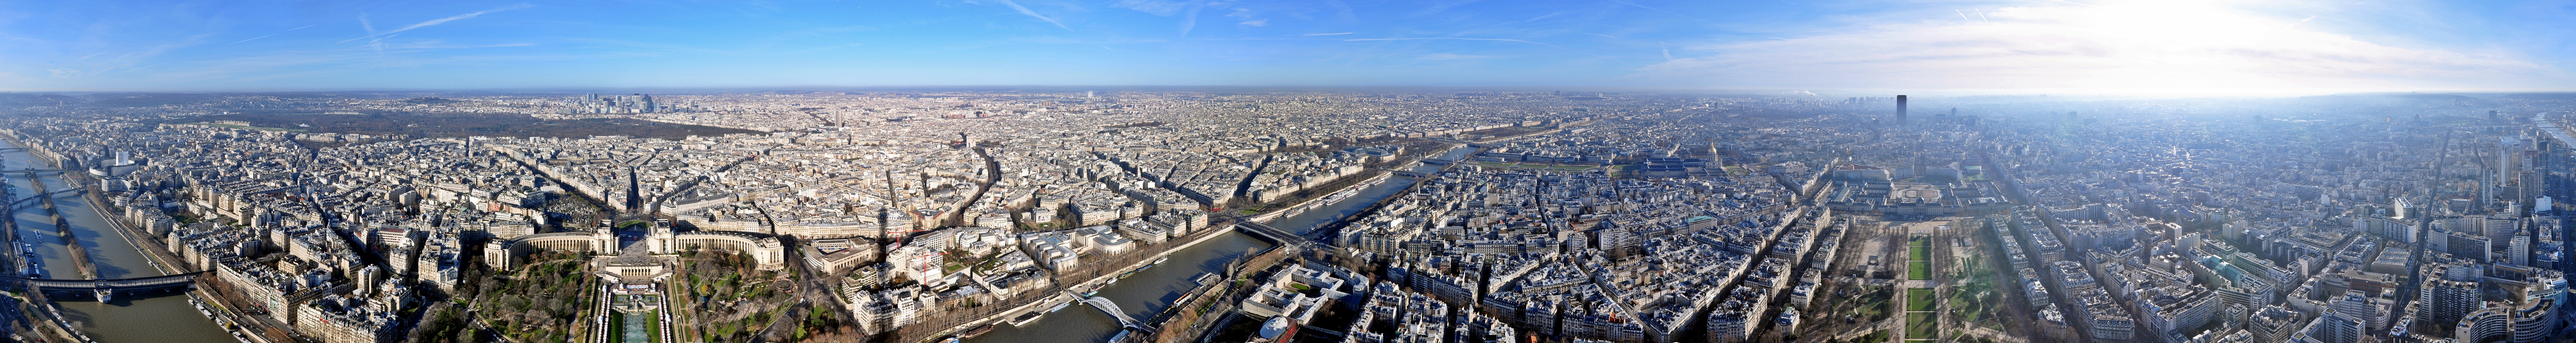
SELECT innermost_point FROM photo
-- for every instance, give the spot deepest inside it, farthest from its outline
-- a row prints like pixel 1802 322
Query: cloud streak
pixel 1490 39
pixel 272 34
pixel 1024 10
pixel 371 27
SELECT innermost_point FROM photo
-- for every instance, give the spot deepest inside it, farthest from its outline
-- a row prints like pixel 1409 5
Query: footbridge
pixel 1104 305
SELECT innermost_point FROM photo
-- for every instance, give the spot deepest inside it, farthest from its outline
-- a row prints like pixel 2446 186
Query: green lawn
pixel 1918 270
pixel 1879 311
pixel 652 326
pixel 616 327
pixel 1871 304
pixel 1975 293
pixel 1918 299
pixel 1919 253
pixel 1919 325
pixel 1874 337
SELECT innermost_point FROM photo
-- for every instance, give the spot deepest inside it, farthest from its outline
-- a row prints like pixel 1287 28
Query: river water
pixel 129 317
pixel 1333 213
pixel 1141 295
pixel 1147 293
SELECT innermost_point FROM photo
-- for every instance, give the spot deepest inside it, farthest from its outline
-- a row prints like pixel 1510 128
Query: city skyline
pixel 2137 48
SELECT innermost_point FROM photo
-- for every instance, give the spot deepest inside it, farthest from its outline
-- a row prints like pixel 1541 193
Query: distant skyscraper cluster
pixel 595 103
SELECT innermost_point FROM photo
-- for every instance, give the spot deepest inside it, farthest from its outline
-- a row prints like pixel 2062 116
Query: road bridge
pixel 1274 233
pixel 31 171
pixel 1405 173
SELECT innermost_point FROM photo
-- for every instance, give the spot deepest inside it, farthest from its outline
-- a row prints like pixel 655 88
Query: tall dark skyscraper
pixel 1900 110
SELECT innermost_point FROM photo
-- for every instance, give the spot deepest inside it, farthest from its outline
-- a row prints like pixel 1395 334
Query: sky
pixel 2132 47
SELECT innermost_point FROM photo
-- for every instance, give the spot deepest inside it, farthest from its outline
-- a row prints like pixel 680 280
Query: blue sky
pixel 2046 46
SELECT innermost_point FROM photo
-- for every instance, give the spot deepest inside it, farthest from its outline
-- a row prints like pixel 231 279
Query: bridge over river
pixel 1105 306
pixel 126 284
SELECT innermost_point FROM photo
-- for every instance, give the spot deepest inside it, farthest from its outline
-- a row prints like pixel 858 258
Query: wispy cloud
pixel 1449 56
pixel 1190 18
pixel 1662 10
pixel 1154 7
pixel 272 34
pixel 1327 34
pixel 407 54
pixel 253 38
pixel 2111 46
pixel 136 68
pixel 371 27
pixel 1024 10
pixel 1490 39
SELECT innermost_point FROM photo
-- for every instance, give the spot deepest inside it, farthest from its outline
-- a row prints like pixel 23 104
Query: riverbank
pixel 160 257
pixel 1329 198
pixel 1162 290
pixel 1144 296
pixel 71 242
pixel 1390 189
pixel 134 318
pixel 998 318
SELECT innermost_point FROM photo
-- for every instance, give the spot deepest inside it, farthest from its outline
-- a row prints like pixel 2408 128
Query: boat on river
pixel 1026 318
